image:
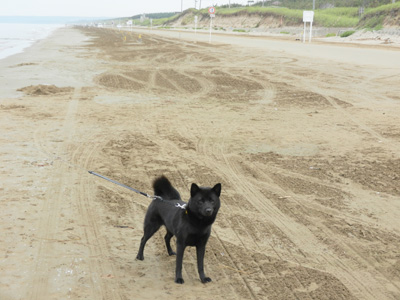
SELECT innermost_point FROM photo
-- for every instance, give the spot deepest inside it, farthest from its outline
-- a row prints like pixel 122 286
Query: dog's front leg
pixel 201 250
pixel 180 249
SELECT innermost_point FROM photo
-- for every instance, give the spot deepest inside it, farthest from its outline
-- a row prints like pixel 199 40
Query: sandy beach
pixel 304 138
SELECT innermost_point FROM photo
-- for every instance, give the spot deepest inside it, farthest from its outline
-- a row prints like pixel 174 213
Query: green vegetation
pixel 374 22
pixel 290 16
pixel 307 4
pixel 347 33
pixel 331 34
pixel 345 16
pixel 374 17
pixel 155 16
pixel 158 22
pixel 333 17
pixel 348 12
pixel 337 17
pixel 384 9
pixel 187 20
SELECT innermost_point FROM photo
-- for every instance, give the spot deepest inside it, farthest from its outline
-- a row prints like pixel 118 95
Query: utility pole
pixel 181 5
pixel 313 5
pixel 200 5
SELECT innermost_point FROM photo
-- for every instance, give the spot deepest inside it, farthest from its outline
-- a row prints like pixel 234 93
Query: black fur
pixel 192 227
pixel 162 187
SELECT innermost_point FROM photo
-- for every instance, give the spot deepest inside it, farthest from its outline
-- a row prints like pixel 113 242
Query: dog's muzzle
pixel 208 212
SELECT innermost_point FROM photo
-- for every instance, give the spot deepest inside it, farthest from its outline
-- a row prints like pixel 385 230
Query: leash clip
pixel 181 206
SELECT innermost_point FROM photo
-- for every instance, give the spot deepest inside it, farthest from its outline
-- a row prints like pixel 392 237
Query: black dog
pixel 191 225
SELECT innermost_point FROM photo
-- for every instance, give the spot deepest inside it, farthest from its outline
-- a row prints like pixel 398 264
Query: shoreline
pixel 41 60
pixel 25 37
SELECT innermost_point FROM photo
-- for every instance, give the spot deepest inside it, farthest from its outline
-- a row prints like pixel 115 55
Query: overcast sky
pixel 99 8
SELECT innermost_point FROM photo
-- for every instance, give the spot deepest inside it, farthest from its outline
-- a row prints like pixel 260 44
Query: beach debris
pixel 388 41
pixel 124 226
pixel 314 168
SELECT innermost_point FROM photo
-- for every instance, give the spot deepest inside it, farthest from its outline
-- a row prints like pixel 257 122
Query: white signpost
pixel 211 10
pixel 129 23
pixel 308 16
pixel 195 24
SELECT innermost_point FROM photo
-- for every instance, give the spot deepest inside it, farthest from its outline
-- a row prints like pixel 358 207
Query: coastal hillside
pixel 386 16
pixel 275 17
pixel 282 19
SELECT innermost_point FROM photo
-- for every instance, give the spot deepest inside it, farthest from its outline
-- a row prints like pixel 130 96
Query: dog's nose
pixel 209 211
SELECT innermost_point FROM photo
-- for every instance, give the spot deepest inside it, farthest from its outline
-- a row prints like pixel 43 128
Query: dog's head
pixel 204 201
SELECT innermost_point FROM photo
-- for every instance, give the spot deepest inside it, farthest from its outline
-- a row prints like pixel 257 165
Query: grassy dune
pixel 373 18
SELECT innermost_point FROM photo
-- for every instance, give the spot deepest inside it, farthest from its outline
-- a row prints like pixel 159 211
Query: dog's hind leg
pixel 167 239
pixel 149 230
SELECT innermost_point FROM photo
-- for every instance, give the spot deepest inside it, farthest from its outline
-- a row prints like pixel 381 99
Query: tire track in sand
pixel 251 245
pixel 73 185
pixel 393 145
pixel 101 267
pixel 288 226
pixel 247 286
pixel 50 210
pixel 215 152
pixel 336 263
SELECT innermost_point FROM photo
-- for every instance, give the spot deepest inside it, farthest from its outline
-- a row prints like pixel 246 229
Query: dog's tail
pixel 163 188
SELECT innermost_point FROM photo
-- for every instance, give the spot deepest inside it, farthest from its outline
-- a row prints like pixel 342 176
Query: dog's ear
pixel 194 189
pixel 217 189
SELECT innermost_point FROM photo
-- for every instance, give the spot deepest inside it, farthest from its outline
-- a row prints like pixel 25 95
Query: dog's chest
pixel 194 239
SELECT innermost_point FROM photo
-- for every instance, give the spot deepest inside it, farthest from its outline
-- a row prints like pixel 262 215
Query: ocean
pixel 15 37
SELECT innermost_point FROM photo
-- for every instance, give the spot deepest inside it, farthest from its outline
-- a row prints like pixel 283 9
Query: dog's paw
pixel 140 257
pixel 206 279
pixel 171 253
pixel 179 281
